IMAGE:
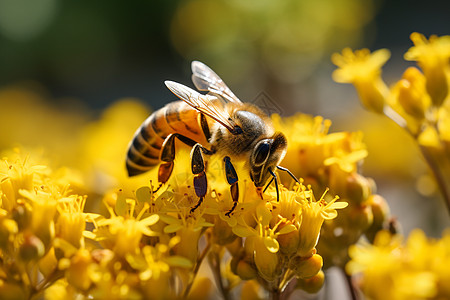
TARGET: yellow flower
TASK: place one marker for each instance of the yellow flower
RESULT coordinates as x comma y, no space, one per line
189,229
306,267
16,176
123,231
71,221
78,272
314,213
406,271
411,93
363,70
155,267
44,209
432,55
288,211
261,240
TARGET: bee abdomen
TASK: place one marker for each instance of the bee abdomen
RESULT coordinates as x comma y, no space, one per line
145,149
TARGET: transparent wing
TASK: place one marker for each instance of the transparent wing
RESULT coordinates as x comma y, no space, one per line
206,104
206,79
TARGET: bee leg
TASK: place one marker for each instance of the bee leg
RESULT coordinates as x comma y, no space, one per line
168,156
205,127
232,180
289,172
198,169
274,177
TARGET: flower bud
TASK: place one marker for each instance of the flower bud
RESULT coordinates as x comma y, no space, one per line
381,214
437,84
11,291
312,285
372,93
22,215
306,268
358,188
412,95
360,217
288,241
32,248
266,262
245,270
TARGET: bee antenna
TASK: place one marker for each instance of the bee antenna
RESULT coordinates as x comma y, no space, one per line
268,184
289,172
274,177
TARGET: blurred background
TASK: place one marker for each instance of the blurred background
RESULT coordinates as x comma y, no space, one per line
62,63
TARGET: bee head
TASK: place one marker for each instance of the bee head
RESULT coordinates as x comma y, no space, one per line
266,154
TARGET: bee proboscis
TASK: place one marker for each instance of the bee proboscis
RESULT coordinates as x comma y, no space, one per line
217,122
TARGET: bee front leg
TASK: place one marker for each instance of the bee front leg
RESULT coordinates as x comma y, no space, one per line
232,180
198,169
168,156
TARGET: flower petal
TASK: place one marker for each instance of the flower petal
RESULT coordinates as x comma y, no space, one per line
271,244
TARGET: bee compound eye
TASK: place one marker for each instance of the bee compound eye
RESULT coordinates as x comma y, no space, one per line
261,153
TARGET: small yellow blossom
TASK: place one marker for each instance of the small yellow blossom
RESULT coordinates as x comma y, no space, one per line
411,93
314,213
406,271
71,221
363,70
431,55
123,232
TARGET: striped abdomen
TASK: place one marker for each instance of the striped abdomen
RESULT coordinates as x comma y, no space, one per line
145,148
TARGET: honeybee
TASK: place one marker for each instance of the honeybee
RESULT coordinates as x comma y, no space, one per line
217,122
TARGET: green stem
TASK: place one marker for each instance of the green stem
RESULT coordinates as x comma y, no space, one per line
196,268
214,263
441,181
435,166
351,288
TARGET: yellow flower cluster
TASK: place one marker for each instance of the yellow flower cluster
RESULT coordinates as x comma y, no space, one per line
392,270
418,102
151,246
41,226
331,160
269,241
